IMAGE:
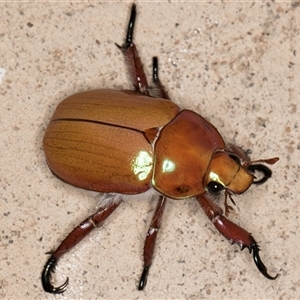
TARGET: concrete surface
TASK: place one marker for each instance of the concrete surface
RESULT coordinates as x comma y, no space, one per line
235,63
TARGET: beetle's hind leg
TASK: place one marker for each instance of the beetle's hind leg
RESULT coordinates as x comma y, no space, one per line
132,59
151,239
135,66
81,231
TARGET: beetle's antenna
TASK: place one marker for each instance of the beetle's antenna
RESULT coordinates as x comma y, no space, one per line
228,208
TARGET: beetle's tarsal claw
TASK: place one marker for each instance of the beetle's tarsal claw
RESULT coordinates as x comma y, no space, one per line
46,278
143,279
260,265
267,173
124,47
120,47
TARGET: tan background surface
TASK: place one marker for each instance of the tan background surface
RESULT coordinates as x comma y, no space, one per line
235,63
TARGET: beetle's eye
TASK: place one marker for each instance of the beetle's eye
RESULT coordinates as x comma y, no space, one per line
215,187
235,158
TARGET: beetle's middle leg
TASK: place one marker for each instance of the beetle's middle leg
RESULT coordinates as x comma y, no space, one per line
233,232
158,90
151,239
80,232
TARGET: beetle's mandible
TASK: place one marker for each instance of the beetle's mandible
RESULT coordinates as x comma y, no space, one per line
128,142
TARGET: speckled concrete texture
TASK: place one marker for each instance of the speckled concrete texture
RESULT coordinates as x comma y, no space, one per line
237,64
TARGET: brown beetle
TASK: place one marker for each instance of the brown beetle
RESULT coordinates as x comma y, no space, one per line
131,142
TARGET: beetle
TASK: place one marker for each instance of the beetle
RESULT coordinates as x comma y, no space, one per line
136,142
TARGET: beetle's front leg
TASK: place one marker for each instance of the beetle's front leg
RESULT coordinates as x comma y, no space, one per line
151,239
233,232
255,165
80,232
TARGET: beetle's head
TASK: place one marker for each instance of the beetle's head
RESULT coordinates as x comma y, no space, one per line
225,171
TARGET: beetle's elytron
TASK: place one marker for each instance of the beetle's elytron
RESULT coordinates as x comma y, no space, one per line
131,142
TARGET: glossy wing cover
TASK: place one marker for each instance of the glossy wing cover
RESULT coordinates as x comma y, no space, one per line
96,139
